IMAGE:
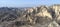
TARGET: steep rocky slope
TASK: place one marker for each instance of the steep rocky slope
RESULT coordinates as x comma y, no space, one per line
43,16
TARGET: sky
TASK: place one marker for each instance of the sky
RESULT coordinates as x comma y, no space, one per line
27,3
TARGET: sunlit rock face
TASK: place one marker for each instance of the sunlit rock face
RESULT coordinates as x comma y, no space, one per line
43,17
56,9
44,12
29,10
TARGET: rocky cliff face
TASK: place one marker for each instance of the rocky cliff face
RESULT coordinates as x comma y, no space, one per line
43,16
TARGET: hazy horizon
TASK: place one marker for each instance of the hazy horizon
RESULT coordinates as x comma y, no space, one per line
27,3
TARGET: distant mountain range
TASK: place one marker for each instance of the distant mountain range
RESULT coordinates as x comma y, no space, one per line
40,16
